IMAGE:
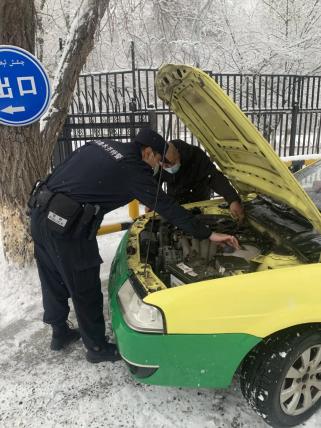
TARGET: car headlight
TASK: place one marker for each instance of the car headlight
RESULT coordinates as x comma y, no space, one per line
138,315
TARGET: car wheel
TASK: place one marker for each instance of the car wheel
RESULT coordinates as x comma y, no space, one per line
281,377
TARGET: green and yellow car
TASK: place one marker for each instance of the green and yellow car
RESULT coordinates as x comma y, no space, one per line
194,314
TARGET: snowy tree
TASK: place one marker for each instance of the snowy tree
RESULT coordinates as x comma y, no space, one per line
25,152
163,31
272,36
255,36
53,21
292,35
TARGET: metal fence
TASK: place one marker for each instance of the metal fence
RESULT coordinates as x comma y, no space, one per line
285,108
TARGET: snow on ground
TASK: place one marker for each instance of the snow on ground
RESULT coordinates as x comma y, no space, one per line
39,387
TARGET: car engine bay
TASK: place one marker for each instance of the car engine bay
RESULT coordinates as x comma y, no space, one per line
267,241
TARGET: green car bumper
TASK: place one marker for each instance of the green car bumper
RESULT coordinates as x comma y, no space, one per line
189,360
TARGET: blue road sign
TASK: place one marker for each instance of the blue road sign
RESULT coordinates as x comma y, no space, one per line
24,87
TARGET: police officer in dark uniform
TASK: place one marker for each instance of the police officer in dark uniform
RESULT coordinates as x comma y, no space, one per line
66,211
191,176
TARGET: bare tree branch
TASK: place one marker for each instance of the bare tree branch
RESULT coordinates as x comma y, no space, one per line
78,45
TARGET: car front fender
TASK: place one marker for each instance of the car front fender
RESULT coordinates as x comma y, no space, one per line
258,304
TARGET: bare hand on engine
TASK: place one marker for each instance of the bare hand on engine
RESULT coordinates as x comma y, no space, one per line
237,211
222,238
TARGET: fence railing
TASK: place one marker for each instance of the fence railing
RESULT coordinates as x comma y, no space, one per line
285,108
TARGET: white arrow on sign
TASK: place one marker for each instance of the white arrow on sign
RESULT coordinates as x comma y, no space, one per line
11,109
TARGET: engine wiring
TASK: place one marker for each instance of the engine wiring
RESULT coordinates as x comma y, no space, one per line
159,184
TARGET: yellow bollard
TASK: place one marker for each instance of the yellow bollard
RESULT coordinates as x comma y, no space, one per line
133,209
109,228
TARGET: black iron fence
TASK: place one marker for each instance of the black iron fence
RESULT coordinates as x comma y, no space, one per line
285,108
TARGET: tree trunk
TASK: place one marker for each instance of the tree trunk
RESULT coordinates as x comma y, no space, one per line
22,164
40,31
79,44
19,146
25,153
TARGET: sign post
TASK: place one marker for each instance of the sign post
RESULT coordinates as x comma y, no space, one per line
24,87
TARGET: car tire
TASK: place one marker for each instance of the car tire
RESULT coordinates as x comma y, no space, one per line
285,363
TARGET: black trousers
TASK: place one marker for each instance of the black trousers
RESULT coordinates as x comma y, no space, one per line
69,268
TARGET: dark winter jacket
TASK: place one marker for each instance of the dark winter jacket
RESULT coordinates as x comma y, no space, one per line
197,177
111,174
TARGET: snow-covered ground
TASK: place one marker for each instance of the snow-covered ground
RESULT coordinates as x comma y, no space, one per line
39,387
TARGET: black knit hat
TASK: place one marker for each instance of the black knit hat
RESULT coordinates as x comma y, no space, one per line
150,138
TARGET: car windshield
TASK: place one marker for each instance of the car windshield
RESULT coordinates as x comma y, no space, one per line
310,180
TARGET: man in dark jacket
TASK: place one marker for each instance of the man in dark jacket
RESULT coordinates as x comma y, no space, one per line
66,210
191,176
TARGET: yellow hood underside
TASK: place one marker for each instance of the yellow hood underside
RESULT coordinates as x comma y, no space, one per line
231,139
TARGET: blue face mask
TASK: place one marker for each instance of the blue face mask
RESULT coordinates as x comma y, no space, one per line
173,169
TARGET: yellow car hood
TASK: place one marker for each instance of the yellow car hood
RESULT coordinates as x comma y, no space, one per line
230,138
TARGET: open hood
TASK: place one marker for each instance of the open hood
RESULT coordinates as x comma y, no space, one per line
230,138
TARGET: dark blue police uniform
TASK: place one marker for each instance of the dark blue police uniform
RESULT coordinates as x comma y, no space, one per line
108,174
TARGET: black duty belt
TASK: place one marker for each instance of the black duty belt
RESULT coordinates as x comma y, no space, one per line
65,215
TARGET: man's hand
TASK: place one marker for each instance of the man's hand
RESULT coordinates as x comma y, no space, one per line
237,211
222,238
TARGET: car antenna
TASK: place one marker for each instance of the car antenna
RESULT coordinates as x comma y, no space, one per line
169,126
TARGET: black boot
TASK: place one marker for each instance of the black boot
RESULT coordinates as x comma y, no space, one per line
107,352
62,336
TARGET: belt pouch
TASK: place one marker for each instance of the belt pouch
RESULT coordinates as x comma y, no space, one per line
62,213
43,197
86,217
